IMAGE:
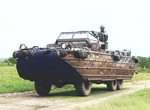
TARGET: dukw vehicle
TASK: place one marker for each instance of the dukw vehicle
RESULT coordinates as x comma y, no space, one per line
78,58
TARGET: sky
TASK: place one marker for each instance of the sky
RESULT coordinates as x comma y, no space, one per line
39,22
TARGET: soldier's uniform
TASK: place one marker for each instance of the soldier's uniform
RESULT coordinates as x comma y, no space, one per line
103,37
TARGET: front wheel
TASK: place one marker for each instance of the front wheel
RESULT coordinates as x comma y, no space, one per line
84,88
112,85
42,88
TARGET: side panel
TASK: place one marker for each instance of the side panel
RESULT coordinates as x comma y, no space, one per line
101,67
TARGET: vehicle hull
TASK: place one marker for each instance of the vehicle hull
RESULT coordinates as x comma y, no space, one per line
99,67
47,66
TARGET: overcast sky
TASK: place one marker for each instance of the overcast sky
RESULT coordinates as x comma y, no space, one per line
39,22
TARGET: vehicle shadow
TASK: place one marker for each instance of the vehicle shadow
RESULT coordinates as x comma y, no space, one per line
73,93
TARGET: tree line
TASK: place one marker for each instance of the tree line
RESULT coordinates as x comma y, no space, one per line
144,64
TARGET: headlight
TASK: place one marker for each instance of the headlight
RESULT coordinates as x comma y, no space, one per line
63,45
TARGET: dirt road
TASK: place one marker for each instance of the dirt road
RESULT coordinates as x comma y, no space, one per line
31,101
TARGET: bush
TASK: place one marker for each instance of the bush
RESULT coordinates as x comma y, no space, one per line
8,62
3,64
143,70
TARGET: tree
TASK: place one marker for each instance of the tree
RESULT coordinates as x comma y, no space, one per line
10,61
144,62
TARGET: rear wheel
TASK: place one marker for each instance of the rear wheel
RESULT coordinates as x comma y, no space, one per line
42,88
119,84
112,85
84,88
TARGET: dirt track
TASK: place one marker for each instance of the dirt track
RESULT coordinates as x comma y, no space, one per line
31,101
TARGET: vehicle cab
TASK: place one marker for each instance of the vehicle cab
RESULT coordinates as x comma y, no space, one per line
79,39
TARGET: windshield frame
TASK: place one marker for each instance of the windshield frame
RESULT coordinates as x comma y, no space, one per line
89,37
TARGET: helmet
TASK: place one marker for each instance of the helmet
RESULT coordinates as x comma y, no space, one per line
102,27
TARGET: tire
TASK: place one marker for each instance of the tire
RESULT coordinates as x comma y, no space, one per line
84,88
119,84
112,85
42,88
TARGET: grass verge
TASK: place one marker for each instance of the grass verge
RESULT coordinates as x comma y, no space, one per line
11,82
137,101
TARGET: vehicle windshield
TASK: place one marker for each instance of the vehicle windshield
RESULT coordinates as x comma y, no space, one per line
77,35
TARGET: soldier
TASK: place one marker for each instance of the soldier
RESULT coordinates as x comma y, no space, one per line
103,36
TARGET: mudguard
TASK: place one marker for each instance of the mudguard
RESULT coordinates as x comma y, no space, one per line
46,66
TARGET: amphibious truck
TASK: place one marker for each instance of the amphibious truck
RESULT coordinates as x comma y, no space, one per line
77,58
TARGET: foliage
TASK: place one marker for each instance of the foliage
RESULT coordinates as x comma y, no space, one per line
144,64
12,60
145,70
8,62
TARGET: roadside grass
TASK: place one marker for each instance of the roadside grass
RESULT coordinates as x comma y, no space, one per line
137,101
11,82
140,77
